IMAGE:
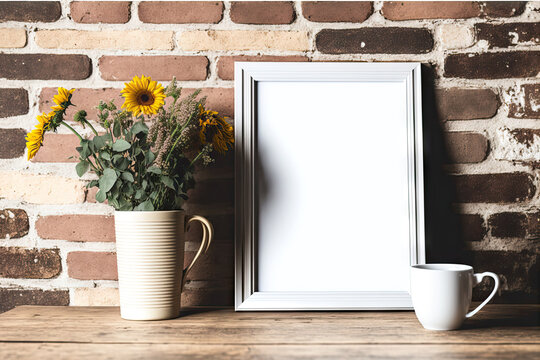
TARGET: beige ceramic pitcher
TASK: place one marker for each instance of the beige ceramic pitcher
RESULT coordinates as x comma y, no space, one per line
150,255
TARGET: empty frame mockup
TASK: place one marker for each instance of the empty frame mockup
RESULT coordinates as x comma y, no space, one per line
329,185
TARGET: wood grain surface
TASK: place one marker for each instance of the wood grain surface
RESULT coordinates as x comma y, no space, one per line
498,332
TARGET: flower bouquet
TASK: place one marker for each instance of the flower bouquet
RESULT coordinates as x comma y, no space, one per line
144,156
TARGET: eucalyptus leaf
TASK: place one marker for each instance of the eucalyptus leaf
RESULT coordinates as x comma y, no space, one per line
82,167
128,176
145,206
107,180
117,131
101,196
150,157
105,155
168,182
99,142
139,127
121,145
154,169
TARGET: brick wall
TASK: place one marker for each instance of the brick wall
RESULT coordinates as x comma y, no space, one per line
481,115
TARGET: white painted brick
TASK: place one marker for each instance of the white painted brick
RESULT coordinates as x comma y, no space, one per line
95,297
117,40
40,189
455,36
12,38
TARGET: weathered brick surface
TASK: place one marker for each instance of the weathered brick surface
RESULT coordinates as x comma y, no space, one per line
11,298
494,188
533,224
214,264
525,102
499,65
90,228
412,10
472,227
262,12
174,12
213,191
509,34
518,272
455,36
45,66
466,104
92,12
337,11
158,67
29,263
40,189
13,223
508,224
113,40
383,40
58,148
222,40
466,147
12,144
30,11
12,38
219,292
90,265
225,65
13,102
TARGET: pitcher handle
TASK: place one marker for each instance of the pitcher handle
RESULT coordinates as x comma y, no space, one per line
478,279
208,234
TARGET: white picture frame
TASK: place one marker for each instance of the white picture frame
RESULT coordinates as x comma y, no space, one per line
329,211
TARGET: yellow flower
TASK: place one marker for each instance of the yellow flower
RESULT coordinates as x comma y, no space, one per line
215,130
143,95
34,139
62,98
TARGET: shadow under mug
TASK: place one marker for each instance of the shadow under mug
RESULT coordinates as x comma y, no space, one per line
441,294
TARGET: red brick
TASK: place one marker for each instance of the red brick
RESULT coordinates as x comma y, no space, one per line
381,40
13,102
30,11
89,265
217,99
161,68
45,67
472,227
509,34
93,228
24,263
225,65
337,11
91,195
529,106
262,12
494,188
212,293
93,12
412,10
466,104
174,12
500,65
58,148
13,143
503,8
13,223
466,147
11,298
518,272
508,225
212,192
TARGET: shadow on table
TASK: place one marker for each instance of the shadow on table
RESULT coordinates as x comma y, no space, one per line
519,316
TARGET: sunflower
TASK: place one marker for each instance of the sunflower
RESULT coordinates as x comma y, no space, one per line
143,95
62,99
34,139
215,130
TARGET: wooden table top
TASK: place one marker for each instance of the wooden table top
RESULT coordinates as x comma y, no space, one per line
40,332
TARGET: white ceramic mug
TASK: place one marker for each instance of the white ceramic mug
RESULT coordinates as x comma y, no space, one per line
441,294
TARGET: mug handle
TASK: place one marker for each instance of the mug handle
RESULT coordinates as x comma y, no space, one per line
477,280
208,234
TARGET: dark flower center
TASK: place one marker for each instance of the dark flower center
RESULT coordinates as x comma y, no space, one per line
145,98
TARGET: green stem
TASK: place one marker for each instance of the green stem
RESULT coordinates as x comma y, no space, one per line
91,127
72,129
